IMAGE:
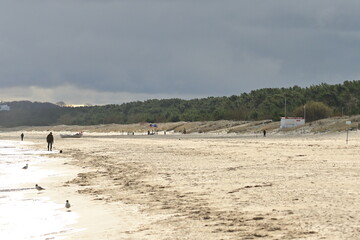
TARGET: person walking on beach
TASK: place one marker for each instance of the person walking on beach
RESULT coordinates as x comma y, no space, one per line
22,136
50,141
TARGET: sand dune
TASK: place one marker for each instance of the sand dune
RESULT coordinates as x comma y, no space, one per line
329,125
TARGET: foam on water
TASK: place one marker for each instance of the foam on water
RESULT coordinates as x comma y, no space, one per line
24,215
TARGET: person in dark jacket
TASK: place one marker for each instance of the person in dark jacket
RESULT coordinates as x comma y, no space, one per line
50,141
22,136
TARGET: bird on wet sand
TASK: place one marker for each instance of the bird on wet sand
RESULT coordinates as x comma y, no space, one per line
26,166
67,205
39,188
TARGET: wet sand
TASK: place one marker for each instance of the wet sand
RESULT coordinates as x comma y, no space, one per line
204,186
27,213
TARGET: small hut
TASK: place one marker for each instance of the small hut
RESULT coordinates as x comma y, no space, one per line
4,107
289,122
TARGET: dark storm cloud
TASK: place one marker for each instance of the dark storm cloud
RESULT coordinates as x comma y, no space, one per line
179,47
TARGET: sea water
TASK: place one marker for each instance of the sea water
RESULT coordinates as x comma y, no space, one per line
23,214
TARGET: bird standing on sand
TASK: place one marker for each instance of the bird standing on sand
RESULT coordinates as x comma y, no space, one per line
67,204
26,166
39,188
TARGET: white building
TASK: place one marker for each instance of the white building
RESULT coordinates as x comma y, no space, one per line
289,122
4,108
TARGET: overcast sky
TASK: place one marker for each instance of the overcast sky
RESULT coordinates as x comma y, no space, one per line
115,51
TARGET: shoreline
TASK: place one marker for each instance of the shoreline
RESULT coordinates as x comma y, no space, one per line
94,219
22,205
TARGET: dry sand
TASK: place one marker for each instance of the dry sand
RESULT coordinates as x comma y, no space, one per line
204,186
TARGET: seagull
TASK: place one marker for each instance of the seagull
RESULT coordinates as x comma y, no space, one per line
39,188
67,204
26,166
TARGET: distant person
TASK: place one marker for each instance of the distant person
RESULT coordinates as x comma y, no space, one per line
264,133
22,136
50,141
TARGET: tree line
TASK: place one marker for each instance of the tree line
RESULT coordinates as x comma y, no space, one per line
314,102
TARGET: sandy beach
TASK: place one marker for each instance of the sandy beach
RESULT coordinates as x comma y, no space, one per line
207,186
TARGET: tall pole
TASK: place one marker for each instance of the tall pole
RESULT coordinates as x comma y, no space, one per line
285,106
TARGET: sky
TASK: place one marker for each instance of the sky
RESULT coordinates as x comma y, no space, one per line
114,51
